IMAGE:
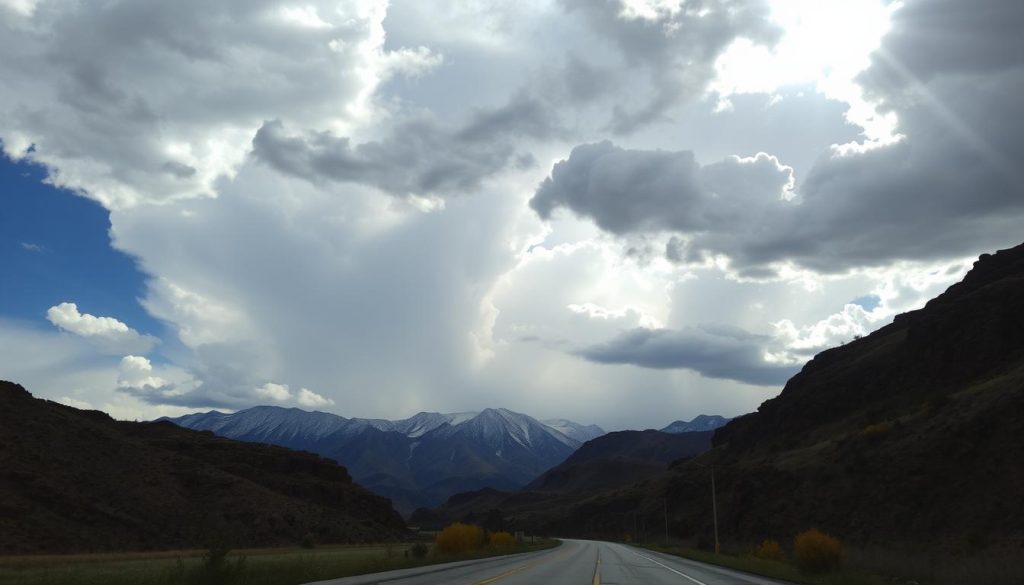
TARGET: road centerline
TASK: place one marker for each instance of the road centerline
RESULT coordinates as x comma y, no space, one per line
521,568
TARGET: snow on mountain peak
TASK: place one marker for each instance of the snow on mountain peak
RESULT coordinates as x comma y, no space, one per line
701,422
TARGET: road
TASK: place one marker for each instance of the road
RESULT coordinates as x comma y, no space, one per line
576,562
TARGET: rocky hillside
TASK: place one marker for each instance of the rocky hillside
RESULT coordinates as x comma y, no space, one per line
910,438
79,481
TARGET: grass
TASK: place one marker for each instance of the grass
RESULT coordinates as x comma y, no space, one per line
248,567
773,569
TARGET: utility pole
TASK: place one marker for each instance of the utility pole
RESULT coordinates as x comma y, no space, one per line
714,504
714,509
666,521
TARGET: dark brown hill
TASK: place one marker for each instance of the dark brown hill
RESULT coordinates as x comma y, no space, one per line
611,461
79,481
619,459
911,437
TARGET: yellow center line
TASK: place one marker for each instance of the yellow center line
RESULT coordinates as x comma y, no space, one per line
521,568
597,569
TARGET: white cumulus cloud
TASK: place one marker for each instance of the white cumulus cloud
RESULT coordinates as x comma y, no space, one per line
109,333
137,372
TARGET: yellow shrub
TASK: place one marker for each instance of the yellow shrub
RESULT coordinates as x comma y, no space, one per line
876,431
458,537
769,550
817,552
501,539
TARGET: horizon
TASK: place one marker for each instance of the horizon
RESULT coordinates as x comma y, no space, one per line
622,213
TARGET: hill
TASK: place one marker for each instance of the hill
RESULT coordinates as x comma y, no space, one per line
909,438
608,462
79,481
619,459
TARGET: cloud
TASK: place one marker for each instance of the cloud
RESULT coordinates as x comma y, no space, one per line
109,333
275,392
132,101
136,372
949,187
420,157
897,202
282,393
323,288
674,45
220,380
642,191
29,246
714,352
309,398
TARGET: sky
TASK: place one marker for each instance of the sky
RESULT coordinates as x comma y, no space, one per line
622,212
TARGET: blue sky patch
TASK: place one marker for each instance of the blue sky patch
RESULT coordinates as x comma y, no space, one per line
55,247
868,302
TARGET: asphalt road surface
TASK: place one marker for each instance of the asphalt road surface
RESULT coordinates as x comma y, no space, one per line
576,562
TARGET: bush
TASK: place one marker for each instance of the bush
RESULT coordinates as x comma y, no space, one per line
419,550
817,552
876,431
502,539
458,538
769,550
308,541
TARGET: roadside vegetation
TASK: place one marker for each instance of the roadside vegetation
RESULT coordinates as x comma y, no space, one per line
461,538
219,566
815,558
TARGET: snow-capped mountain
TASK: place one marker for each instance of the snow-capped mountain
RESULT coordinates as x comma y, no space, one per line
417,461
288,427
424,422
575,430
702,422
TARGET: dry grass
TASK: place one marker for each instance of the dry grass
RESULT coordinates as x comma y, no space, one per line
251,567
770,550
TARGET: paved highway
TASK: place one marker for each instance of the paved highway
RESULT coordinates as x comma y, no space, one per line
576,562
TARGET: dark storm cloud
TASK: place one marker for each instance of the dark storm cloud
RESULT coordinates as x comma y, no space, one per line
636,191
934,38
419,157
952,186
724,353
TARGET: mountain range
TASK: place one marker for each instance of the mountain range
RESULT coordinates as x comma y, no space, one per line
418,461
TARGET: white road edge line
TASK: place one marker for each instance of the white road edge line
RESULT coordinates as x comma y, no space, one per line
667,567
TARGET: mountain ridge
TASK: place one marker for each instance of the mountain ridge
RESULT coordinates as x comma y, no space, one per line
417,461
701,422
